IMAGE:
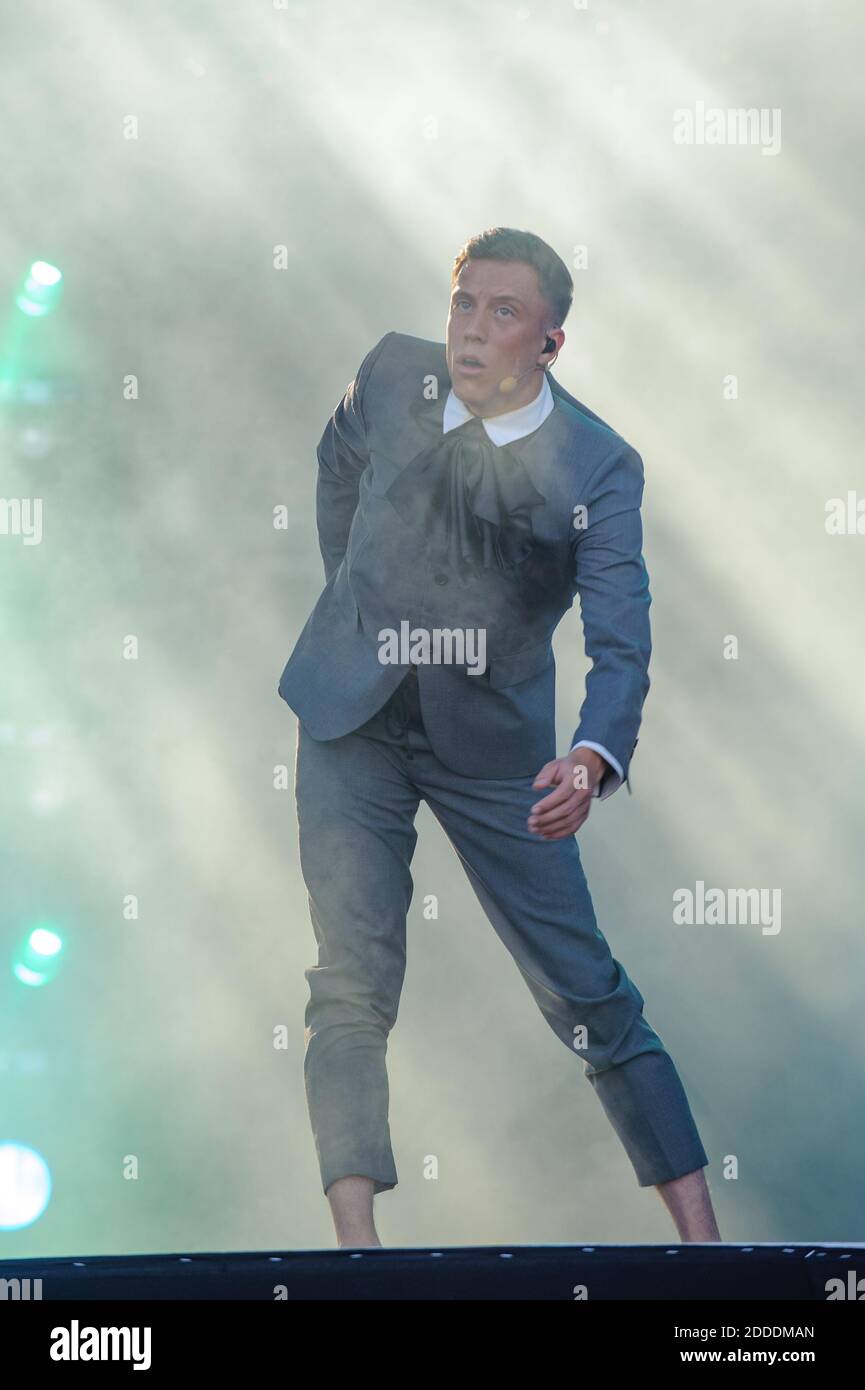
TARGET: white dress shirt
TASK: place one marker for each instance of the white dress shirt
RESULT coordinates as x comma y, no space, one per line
503,429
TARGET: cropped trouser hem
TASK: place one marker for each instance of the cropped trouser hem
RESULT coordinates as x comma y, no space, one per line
382,1172
645,1102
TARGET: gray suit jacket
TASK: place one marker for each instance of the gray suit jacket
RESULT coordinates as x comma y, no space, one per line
500,723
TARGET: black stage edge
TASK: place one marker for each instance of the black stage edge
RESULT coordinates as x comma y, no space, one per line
718,1272
639,1309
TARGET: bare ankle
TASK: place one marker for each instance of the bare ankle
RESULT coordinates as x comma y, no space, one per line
350,1201
688,1201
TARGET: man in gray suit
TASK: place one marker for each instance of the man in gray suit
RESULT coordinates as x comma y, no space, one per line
464,499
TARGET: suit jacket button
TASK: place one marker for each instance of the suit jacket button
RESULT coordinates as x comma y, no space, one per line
441,579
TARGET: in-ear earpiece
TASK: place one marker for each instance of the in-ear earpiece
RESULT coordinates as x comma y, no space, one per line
550,345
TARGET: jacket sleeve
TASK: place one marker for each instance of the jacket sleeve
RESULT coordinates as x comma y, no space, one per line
342,457
613,584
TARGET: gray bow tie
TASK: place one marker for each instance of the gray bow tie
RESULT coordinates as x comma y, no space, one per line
471,500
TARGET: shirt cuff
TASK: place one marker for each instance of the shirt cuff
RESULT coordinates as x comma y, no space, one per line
615,778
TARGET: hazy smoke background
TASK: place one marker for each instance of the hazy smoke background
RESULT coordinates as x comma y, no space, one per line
370,140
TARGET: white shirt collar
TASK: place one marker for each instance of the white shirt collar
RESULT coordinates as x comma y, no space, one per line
503,429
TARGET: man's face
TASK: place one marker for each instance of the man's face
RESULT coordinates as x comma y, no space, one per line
499,318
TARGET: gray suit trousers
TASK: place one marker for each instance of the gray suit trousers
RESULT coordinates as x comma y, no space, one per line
357,797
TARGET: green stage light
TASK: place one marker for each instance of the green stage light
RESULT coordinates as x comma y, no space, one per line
25,1186
41,290
37,960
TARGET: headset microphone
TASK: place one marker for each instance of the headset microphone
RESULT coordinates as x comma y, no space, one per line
511,382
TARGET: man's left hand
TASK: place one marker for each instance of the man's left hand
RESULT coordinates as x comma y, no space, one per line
560,815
